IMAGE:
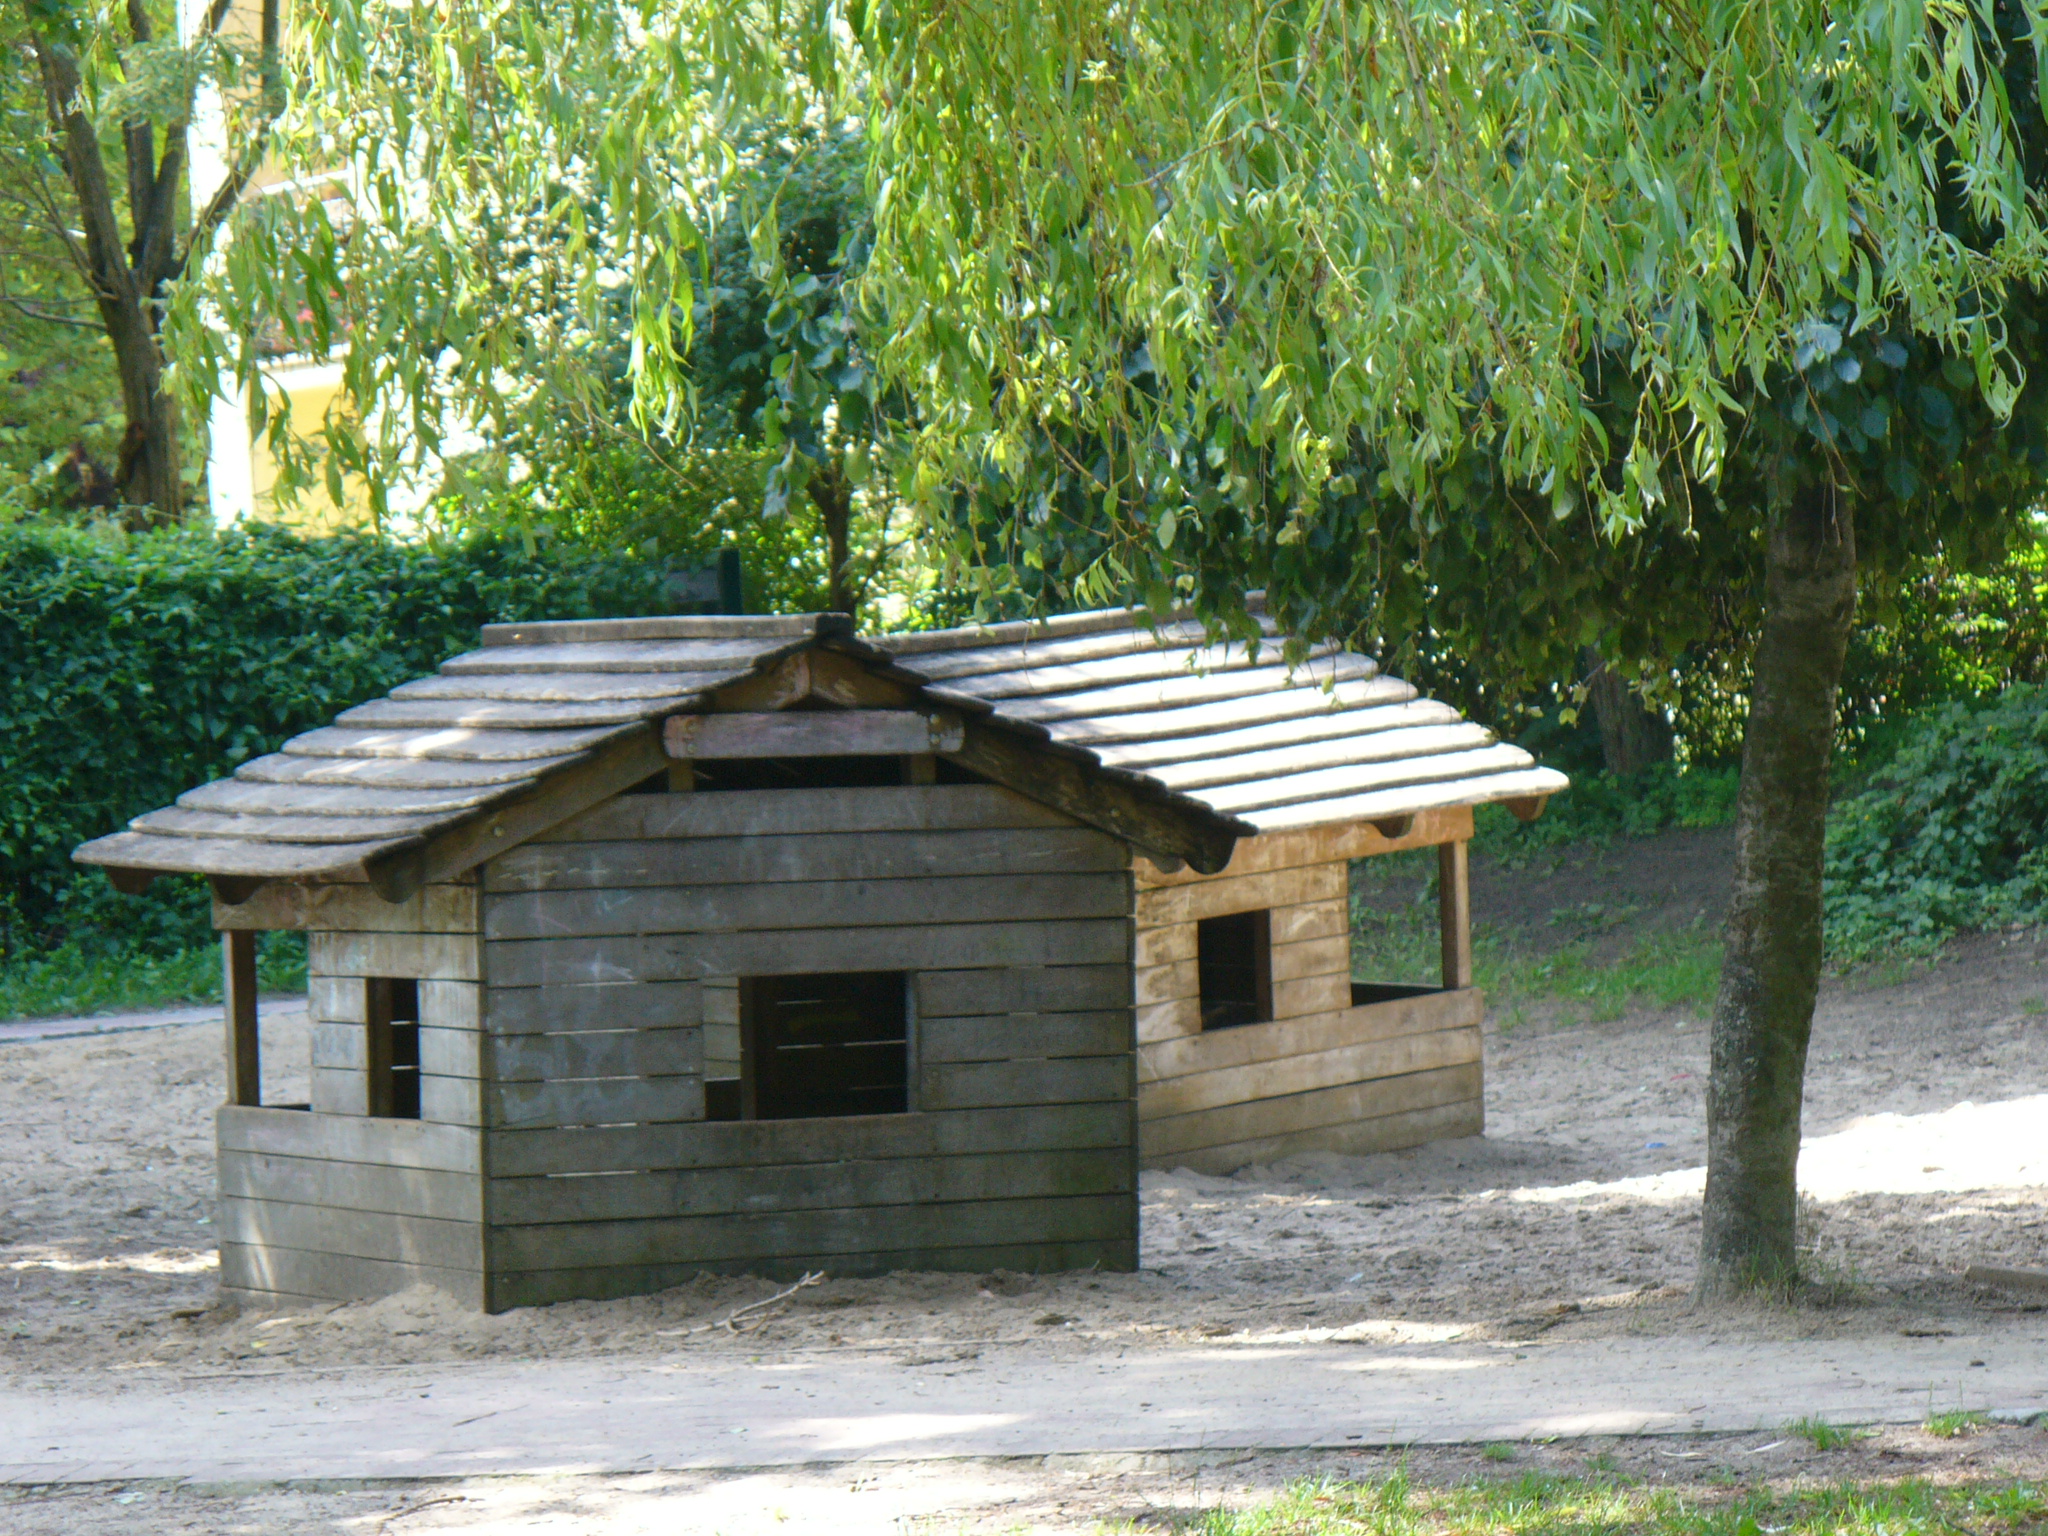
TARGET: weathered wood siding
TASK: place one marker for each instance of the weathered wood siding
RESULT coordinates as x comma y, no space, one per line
336,1207
1322,1075
354,936
635,918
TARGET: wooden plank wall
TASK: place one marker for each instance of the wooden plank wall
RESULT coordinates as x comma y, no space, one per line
1015,924
1322,1075
335,1204
336,1207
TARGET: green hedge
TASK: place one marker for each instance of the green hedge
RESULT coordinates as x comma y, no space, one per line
1951,834
133,667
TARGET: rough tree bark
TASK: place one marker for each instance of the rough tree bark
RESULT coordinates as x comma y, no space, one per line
1632,737
833,496
128,279
1763,1017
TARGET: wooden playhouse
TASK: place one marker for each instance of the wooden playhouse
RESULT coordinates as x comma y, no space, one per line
644,947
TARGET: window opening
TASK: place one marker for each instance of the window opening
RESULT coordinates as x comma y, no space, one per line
394,1047
1234,963
815,1046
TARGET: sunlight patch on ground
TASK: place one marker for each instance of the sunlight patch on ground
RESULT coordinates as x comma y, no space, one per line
164,1261
1968,1146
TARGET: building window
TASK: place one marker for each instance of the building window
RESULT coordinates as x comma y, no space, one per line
812,1046
394,1047
1234,960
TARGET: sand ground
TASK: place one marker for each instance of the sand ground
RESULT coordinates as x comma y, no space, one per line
1576,1215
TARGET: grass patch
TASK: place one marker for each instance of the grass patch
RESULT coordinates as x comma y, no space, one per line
1537,1505
1584,968
1499,1451
1956,1423
69,982
1823,1436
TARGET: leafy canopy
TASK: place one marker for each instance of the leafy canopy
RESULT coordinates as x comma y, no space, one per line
1184,255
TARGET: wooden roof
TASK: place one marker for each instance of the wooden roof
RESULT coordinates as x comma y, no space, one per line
545,719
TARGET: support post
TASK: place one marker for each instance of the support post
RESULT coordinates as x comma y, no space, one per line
238,990
1454,913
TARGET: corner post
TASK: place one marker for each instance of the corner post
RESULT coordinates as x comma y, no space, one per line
238,991
1454,912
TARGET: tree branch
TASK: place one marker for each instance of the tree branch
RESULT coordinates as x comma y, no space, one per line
107,272
33,313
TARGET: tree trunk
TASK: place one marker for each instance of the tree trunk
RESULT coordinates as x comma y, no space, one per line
1764,1015
833,497
1632,737
148,474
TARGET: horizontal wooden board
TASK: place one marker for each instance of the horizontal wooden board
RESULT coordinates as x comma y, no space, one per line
749,1235
781,1143
1196,719
451,957
355,908
805,812
451,1100
811,1186
1312,957
810,733
1311,994
271,1276
1022,1036
819,904
450,1004
1023,989
720,634
1226,893
431,713
986,1084
784,857
565,1009
347,1138
1278,764
451,1052
340,1045
339,1091
1164,983
1324,845
338,999
1008,647
401,772
358,1234
1311,920
567,687
1433,775
1168,665
536,1288
1327,725
595,1101
431,1192
1350,1138
1170,1020
1164,945
1175,1135
1179,691
680,957
1411,799
449,746
606,1053
1285,1076
313,831
256,797
1219,1049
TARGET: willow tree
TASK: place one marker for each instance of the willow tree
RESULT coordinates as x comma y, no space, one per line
1193,295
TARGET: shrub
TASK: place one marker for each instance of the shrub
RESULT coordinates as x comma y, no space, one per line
133,667
1950,833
